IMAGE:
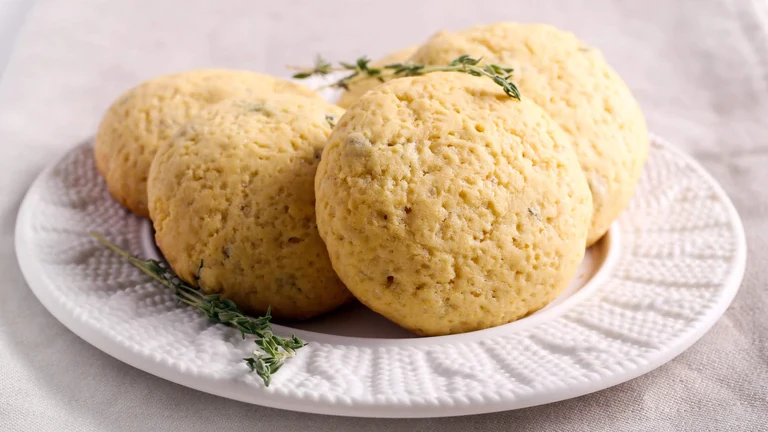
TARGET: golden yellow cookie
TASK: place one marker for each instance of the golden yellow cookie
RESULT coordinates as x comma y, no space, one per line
578,89
447,206
147,115
356,90
232,202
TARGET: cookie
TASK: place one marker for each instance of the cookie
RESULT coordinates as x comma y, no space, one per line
574,84
232,202
147,115
357,89
447,206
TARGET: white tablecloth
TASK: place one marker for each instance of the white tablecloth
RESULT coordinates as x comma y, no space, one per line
699,69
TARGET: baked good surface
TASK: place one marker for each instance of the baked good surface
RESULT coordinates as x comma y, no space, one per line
574,84
144,117
232,202
447,206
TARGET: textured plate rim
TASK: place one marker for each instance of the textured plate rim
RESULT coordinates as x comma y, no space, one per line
612,243
32,272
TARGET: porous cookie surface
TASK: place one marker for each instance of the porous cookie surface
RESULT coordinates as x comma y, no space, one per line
356,90
232,202
147,115
447,206
575,85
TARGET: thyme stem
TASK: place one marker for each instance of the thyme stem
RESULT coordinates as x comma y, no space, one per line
361,71
272,350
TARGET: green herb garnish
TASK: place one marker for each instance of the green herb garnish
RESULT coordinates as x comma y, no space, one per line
331,120
362,70
273,350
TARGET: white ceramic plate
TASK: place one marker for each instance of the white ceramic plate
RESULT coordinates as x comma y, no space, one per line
665,273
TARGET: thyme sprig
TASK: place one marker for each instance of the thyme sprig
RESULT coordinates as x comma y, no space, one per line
272,350
362,70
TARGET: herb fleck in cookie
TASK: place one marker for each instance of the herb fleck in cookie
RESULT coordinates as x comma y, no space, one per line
147,115
575,85
357,89
448,206
232,202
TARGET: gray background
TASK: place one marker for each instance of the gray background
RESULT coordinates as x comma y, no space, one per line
12,15
699,69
